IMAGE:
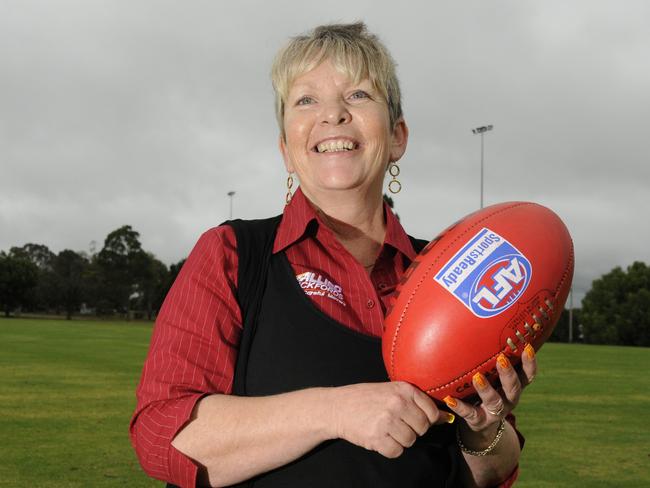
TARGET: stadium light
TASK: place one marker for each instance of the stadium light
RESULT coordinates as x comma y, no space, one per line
231,194
482,130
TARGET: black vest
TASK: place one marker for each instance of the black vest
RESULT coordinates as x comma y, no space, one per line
288,344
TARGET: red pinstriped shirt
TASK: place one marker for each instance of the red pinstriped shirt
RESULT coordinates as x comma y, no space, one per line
194,345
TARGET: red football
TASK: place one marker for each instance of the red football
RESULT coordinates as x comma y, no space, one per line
488,284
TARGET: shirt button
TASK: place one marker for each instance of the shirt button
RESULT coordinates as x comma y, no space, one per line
370,303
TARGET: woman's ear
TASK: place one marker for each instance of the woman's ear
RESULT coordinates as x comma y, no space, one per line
399,139
285,154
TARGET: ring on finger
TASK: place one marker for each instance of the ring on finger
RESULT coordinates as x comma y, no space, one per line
496,412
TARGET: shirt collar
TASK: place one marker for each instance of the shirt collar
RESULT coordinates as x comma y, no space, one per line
396,236
296,217
299,213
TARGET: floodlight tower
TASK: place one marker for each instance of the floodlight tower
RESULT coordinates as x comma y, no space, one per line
231,194
482,130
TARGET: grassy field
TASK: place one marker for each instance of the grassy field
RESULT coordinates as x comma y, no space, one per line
67,390
587,418
67,393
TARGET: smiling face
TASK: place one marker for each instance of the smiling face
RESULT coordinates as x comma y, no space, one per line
338,134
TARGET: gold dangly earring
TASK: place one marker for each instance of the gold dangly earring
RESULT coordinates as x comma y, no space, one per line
287,199
394,186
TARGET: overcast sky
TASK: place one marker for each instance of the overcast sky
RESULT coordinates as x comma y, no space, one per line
148,112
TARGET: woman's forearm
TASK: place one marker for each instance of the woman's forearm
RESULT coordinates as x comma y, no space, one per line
236,438
493,468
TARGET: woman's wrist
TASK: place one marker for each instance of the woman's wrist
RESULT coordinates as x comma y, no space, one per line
476,441
325,409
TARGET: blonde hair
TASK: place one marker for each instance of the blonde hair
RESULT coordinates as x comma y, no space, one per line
352,49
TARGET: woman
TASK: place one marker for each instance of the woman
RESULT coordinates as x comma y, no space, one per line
265,362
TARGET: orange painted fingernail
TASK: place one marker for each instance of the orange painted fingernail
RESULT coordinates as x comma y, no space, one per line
479,379
530,351
503,361
451,402
450,418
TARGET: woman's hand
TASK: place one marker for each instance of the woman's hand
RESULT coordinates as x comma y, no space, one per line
483,420
384,417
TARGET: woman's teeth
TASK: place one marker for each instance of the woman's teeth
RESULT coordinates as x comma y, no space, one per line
335,146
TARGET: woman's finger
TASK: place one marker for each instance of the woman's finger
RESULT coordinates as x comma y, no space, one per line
417,418
528,365
390,448
473,416
509,379
492,402
402,433
429,407
426,404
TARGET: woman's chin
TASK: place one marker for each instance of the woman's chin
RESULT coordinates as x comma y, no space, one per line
342,184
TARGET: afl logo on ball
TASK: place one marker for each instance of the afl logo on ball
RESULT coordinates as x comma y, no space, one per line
499,285
487,274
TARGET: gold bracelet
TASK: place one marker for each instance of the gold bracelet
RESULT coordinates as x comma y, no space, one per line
488,449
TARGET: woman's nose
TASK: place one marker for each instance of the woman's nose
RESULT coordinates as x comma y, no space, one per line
335,113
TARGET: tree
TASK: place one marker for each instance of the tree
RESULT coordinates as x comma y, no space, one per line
561,331
119,262
617,308
174,269
122,275
44,295
18,278
94,288
151,276
39,254
637,310
69,270
172,274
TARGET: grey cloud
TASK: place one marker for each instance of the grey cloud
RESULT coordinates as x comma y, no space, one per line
148,113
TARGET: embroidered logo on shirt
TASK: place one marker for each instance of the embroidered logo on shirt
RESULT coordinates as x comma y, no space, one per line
313,284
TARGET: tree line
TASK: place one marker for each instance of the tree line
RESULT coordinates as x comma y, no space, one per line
122,278
615,310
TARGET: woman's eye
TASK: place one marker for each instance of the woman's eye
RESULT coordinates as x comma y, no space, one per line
304,100
360,94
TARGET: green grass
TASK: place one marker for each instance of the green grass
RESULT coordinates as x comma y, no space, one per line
67,394
67,390
586,418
